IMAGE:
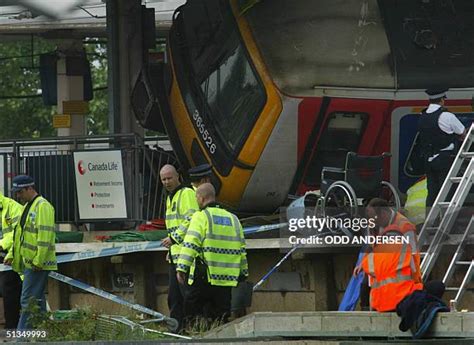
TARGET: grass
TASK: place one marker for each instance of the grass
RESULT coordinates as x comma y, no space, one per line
201,325
85,324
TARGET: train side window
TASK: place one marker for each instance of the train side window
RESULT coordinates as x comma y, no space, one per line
343,133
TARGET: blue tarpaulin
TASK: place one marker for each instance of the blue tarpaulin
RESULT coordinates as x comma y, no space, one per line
351,296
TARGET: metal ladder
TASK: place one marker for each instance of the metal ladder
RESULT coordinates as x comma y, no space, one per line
442,217
456,262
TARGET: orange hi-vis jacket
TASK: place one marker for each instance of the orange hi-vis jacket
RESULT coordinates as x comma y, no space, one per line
393,269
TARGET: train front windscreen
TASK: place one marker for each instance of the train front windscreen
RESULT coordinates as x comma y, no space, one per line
224,93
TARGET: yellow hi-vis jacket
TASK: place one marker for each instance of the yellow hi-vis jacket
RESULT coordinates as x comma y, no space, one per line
179,210
34,244
11,213
216,237
415,205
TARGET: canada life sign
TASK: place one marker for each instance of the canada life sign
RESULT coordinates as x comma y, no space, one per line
100,185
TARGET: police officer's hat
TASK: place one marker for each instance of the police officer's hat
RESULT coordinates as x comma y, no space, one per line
200,171
22,181
435,93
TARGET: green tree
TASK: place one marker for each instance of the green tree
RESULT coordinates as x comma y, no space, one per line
97,121
22,117
22,112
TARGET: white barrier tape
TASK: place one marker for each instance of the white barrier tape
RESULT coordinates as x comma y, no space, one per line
104,294
92,254
125,249
262,228
143,247
131,248
274,268
125,321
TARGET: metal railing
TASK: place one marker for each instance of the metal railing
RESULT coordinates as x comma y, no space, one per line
50,163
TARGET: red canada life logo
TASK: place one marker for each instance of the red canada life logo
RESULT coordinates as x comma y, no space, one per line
80,167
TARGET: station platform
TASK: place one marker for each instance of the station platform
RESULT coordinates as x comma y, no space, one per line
340,325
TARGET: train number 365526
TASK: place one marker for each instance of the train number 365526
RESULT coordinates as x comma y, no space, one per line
206,137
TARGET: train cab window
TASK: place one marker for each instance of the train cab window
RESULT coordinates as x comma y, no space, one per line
224,83
234,95
343,133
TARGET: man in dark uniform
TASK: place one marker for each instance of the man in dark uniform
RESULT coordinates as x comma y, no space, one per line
439,129
200,174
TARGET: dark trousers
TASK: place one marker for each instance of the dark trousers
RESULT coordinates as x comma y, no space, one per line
365,294
436,173
206,300
435,288
11,291
176,297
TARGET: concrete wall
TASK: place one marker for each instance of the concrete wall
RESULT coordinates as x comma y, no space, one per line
305,282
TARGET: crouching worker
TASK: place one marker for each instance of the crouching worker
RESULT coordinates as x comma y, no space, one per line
393,269
214,258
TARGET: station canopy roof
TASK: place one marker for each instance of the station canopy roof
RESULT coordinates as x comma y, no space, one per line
69,18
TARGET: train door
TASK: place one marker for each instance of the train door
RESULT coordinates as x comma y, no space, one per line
404,128
339,125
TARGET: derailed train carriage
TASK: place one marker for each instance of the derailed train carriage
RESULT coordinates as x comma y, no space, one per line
270,92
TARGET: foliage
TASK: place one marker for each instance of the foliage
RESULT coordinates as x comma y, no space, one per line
25,117
79,326
97,121
201,325
86,325
22,112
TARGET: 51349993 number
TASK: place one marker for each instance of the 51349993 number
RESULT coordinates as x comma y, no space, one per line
32,333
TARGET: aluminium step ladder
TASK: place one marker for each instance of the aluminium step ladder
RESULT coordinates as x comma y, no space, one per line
456,262
440,221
